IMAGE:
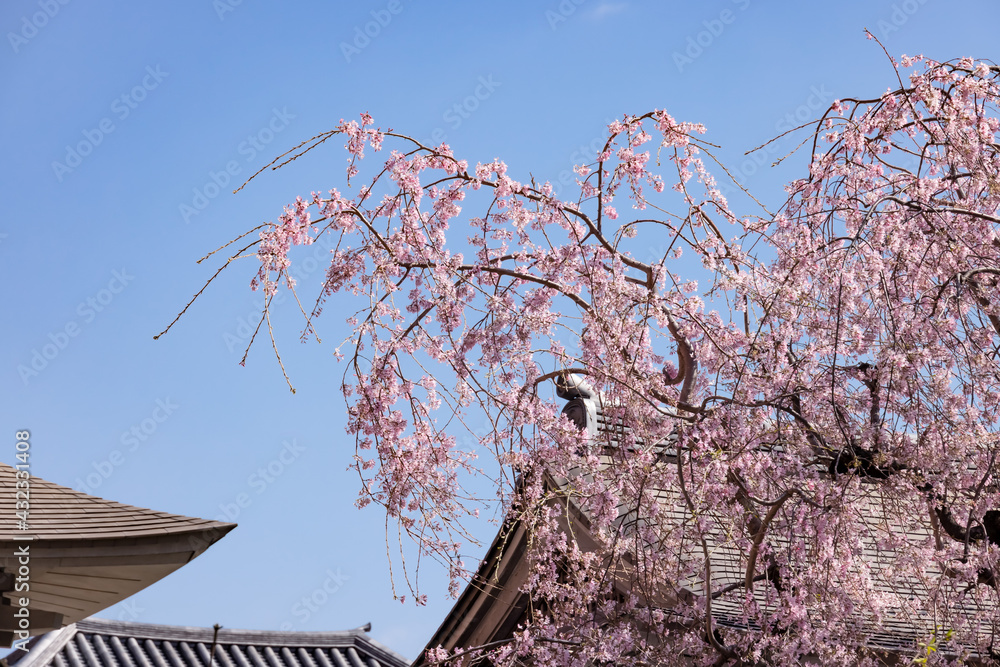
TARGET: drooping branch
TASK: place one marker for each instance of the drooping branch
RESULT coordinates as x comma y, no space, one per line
826,335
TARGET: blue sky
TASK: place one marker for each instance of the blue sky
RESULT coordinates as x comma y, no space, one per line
128,125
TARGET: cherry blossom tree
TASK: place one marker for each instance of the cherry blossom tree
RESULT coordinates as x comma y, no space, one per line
800,408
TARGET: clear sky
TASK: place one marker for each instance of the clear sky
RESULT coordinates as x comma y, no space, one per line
127,125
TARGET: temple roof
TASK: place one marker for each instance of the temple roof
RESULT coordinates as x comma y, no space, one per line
492,605
85,553
101,643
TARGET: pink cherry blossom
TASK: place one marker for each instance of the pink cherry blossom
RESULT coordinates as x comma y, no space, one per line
800,440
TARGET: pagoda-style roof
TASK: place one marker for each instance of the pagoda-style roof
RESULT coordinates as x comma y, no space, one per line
97,642
85,553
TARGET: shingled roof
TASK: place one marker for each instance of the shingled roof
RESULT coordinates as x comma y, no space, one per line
86,553
884,528
493,605
101,643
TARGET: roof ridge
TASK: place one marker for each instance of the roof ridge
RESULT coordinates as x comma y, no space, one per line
94,625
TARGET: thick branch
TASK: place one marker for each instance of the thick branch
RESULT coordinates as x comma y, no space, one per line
759,537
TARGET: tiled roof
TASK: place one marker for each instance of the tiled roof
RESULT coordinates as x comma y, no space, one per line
60,513
96,642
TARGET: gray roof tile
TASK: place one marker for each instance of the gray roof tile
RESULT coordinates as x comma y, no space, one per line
101,643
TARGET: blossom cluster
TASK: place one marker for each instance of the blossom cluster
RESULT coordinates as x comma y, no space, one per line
828,387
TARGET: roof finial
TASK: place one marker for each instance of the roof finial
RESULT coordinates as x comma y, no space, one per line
215,640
